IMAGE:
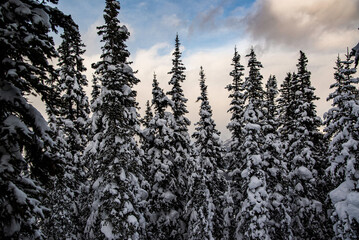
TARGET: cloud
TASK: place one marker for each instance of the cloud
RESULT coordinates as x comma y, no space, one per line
172,21
206,21
303,24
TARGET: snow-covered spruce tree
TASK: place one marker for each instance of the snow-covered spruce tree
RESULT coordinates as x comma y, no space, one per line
64,219
164,202
252,217
236,110
200,207
183,160
75,109
342,129
286,111
25,163
115,195
147,137
209,150
148,115
233,159
279,220
228,210
96,88
304,154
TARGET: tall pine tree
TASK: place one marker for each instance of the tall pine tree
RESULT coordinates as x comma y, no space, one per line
285,108
72,131
148,115
208,184
25,163
304,153
116,195
183,160
236,110
252,217
342,129
234,162
164,203
276,168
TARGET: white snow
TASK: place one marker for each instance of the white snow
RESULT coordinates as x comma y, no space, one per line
244,173
304,173
19,195
252,126
168,196
123,175
9,230
132,220
41,17
341,192
106,228
353,205
256,159
299,187
128,207
97,183
254,183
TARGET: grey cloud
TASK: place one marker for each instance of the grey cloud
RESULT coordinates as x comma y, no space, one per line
208,20
300,24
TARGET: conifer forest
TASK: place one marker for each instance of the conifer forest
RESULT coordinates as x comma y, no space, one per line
93,168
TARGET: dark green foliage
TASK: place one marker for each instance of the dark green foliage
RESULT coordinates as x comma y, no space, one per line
113,152
234,162
208,183
179,108
148,115
342,131
303,151
69,122
252,217
164,217
276,168
237,100
183,158
25,138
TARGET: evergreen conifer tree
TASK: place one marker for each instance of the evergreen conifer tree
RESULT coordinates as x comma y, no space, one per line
71,137
276,168
253,216
234,162
25,162
286,111
164,203
305,145
236,110
148,115
200,207
95,89
342,129
116,194
183,160
210,177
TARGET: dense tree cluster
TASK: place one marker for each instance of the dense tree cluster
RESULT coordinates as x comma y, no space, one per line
116,176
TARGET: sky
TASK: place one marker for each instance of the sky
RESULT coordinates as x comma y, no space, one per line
209,30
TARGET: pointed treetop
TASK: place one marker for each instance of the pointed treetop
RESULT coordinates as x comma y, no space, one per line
148,115
160,101
253,83
302,63
113,34
179,101
203,86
